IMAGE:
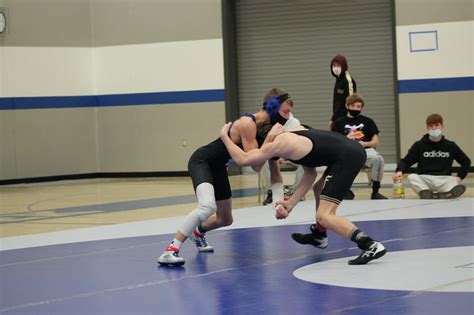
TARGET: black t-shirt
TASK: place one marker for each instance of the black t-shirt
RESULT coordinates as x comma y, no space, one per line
360,128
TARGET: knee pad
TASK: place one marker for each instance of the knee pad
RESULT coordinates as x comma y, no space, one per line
206,209
197,216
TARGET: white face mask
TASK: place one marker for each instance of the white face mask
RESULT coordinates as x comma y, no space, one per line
336,70
435,132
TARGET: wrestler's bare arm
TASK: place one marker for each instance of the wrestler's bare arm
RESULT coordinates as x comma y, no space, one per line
253,157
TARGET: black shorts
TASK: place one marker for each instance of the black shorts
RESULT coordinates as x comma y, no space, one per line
201,171
341,174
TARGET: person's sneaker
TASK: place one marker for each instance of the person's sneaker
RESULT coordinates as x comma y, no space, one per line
287,191
377,196
349,196
375,251
426,194
201,242
455,192
315,238
269,198
170,257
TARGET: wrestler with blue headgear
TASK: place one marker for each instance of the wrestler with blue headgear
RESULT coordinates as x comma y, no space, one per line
272,105
208,170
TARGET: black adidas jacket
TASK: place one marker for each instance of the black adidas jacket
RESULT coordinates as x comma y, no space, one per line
435,158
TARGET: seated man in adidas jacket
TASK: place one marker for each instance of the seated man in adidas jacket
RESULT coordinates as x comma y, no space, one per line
434,155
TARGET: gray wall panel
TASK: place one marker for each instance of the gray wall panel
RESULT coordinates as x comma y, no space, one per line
411,12
85,23
8,168
57,141
125,22
48,23
290,45
150,138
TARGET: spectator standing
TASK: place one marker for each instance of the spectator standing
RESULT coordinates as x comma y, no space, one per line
344,86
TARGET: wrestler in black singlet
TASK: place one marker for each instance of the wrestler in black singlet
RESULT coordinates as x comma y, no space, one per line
343,157
208,164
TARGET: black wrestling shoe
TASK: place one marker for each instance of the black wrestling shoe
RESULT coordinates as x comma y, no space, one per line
269,198
375,251
377,196
304,239
315,238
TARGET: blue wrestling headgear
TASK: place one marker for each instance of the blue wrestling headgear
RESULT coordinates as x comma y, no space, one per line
272,104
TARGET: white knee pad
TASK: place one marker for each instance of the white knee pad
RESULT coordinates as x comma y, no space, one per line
196,217
207,207
207,201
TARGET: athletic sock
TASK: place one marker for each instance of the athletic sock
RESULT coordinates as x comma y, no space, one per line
176,243
360,238
200,229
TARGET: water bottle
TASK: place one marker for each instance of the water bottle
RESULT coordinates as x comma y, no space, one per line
398,190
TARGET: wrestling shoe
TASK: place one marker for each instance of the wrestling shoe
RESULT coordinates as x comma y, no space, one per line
201,242
170,257
269,198
378,196
287,191
315,238
375,251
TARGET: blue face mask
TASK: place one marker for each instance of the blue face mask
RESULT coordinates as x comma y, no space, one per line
435,132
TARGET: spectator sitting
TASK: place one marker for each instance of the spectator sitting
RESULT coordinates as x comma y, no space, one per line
434,155
363,129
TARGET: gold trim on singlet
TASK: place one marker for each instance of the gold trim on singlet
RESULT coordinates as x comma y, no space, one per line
330,199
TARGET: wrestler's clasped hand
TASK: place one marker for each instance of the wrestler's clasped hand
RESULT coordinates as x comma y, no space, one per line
280,210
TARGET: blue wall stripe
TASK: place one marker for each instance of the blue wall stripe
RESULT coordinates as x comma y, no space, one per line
161,98
111,100
436,85
10,103
54,102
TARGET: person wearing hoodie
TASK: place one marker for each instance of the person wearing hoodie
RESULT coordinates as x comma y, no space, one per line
345,85
435,155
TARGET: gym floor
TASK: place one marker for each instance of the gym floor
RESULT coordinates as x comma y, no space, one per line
90,247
